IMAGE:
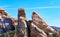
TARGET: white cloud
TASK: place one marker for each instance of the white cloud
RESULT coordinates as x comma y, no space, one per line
44,7
7,7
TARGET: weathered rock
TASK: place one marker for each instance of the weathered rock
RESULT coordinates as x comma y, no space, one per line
38,27
14,21
6,23
40,23
22,27
4,13
35,31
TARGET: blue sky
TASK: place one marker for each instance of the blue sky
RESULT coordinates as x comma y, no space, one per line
48,9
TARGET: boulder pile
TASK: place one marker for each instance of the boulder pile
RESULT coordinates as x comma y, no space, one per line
36,27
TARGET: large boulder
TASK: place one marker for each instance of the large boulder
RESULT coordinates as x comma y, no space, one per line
22,27
4,13
35,31
8,25
40,23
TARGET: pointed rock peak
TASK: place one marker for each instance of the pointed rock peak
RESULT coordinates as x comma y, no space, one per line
34,14
39,22
36,18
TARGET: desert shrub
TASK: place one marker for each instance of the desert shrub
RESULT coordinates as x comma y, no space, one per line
9,34
14,34
56,33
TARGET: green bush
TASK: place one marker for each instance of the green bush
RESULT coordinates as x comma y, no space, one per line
9,34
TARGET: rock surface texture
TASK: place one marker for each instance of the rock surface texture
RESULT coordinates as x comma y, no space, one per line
22,27
35,31
36,27
40,23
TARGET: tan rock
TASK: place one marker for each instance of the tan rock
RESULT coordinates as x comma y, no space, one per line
22,31
4,13
40,23
35,31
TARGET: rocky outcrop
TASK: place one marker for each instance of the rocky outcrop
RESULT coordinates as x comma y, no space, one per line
22,27
4,13
37,27
40,23
35,31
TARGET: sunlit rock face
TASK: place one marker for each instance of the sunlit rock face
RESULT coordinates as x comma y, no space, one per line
40,23
6,21
37,26
35,31
4,13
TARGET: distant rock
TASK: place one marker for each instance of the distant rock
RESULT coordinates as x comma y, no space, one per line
54,27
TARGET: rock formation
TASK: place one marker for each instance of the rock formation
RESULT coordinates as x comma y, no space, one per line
4,13
35,31
40,23
37,27
22,27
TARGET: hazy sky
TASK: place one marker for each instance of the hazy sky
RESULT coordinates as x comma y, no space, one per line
48,9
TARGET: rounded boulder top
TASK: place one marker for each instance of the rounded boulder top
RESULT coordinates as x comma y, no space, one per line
1,9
